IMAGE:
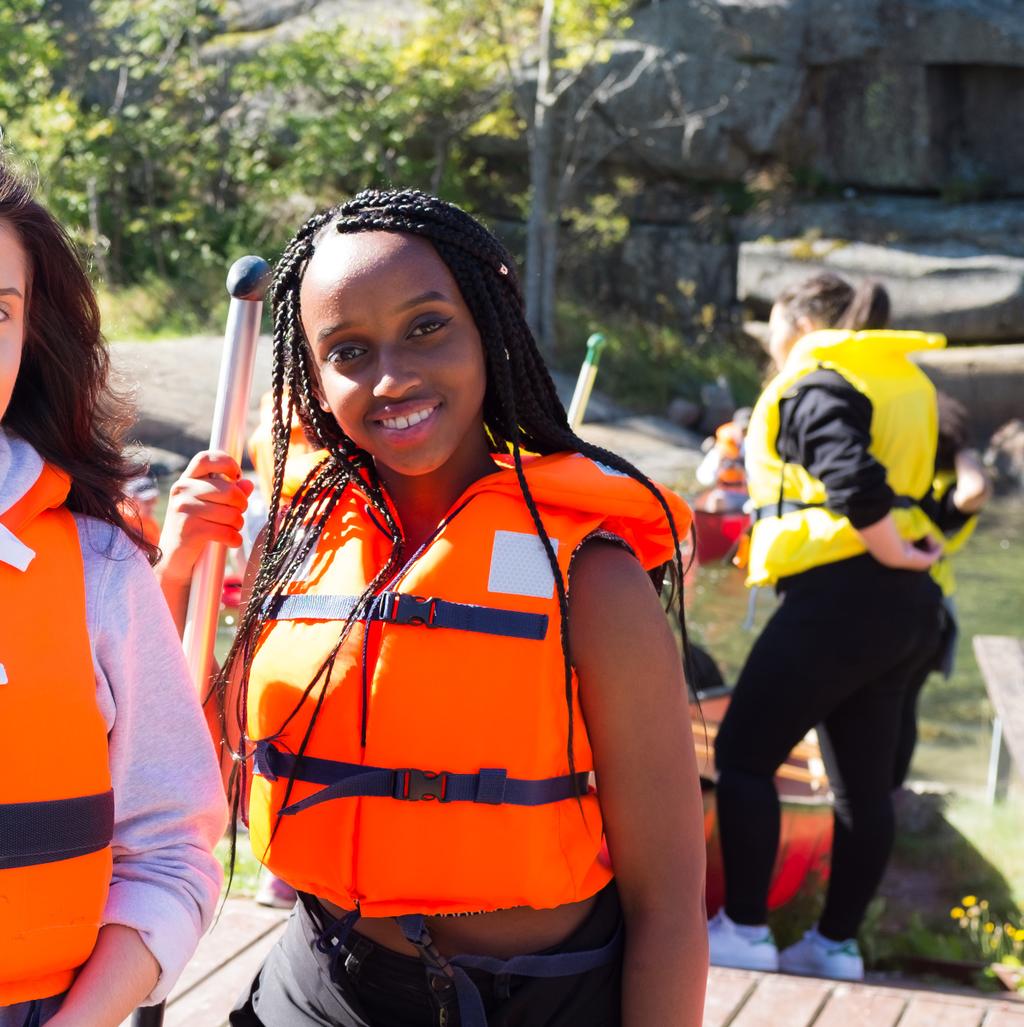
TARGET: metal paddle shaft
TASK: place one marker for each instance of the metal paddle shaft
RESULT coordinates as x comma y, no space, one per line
247,282
585,382
148,1016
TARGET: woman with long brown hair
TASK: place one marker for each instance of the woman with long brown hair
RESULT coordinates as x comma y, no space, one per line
107,876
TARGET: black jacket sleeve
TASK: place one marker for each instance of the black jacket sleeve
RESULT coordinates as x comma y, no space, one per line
942,510
825,426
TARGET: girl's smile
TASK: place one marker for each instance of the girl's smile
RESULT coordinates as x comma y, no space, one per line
397,357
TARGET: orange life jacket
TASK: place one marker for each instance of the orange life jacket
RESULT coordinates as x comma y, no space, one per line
302,457
459,680
729,443
56,803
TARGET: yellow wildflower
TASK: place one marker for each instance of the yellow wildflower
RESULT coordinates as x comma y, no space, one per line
983,903
970,900
989,927
956,912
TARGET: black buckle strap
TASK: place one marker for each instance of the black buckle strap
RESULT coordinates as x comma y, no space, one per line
402,608
419,611
416,785
488,786
785,506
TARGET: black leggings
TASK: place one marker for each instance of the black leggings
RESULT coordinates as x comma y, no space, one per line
368,985
845,644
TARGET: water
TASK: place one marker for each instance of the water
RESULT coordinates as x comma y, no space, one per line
955,715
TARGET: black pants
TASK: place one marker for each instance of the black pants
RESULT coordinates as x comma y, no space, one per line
845,644
371,986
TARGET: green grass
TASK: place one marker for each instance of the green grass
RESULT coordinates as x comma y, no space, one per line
158,309
247,868
646,364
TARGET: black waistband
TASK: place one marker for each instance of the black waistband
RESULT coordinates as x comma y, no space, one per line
598,928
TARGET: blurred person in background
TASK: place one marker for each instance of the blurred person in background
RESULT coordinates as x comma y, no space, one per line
840,449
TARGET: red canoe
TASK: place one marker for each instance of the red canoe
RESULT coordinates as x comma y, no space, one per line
806,829
719,521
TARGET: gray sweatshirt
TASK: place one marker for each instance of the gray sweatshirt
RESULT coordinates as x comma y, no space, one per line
169,808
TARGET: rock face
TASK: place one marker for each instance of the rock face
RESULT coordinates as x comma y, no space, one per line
988,380
886,94
909,108
905,96
951,288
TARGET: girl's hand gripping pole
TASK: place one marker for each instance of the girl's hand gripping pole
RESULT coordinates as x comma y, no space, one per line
247,282
585,382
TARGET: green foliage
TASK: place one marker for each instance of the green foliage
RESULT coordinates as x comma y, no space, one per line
645,364
168,152
27,58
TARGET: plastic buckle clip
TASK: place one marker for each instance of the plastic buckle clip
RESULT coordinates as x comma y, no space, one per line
421,785
402,608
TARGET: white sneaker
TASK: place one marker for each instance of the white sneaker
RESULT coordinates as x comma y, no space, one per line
817,956
740,946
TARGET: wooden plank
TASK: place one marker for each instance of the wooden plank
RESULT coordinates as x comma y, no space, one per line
727,991
1004,1015
942,1012
782,1001
851,1006
1001,660
209,1002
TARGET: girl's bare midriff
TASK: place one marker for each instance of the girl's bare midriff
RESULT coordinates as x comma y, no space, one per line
503,933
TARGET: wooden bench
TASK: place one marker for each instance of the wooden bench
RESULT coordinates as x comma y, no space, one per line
1001,660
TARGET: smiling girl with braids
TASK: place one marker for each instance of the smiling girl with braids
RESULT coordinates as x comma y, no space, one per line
451,626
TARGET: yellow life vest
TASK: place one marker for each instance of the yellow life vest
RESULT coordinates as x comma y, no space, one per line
942,569
794,530
435,777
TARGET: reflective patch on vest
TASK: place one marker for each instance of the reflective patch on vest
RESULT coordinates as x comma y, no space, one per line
13,551
610,471
3,675
519,565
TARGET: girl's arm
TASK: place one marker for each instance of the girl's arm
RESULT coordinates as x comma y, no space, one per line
120,973
638,720
170,810
890,549
973,488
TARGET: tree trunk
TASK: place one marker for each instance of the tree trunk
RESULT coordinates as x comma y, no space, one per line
549,285
99,244
541,147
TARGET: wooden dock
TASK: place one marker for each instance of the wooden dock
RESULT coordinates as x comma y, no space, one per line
230,954
741,998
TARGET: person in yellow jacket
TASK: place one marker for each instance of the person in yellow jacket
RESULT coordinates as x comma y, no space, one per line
450,626
839,454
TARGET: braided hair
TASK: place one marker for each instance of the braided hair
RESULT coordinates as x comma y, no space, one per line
521,411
